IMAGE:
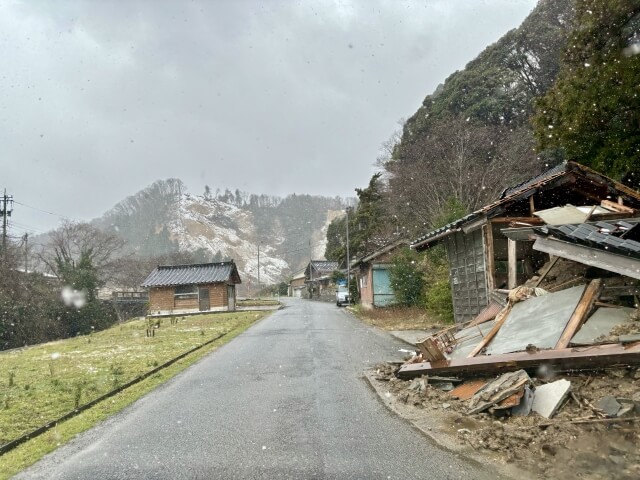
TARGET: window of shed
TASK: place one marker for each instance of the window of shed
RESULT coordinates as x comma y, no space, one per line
186,291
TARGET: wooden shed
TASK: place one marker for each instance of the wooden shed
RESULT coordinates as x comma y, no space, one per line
184,289
482,258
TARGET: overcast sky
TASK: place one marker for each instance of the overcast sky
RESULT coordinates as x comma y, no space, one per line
101,98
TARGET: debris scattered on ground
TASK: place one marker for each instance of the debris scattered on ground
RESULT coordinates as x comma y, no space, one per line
576,442
548,398
503,388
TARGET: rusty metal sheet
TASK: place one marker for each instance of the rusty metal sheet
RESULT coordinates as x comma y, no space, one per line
512,401
467,389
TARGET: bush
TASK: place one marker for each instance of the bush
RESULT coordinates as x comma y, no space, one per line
437,285
407,279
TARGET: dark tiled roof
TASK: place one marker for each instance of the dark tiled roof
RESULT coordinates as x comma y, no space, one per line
619,237
323,266
171,275
547,175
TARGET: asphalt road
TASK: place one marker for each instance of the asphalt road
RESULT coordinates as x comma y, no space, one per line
284,400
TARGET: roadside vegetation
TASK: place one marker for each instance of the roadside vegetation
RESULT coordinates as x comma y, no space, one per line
43,382
398,318
258,302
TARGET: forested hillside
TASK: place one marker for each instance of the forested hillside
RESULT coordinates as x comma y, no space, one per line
164,219
565,85
472,137
468,140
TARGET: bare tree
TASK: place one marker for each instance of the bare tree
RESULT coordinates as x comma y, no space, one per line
74,241
457,160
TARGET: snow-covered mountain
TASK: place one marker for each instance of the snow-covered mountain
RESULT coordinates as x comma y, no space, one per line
165,218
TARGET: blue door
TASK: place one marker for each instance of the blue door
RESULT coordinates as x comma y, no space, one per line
382,292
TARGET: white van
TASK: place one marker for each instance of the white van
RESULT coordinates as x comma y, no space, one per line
342,295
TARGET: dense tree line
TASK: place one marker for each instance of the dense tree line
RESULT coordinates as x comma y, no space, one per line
564,85
592,113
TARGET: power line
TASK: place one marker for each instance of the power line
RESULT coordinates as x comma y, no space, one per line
41,210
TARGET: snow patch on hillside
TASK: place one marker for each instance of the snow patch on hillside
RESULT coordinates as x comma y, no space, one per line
214,226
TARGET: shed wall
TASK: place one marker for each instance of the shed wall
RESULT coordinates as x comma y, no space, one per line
468,274
365,281
162,299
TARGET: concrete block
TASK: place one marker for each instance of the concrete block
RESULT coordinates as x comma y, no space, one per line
547,398
609,405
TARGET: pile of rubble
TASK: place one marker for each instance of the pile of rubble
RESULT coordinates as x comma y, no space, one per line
580,425
549,367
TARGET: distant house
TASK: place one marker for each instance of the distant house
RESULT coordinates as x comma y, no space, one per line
485,255
183,289
319,277
297,285
373,276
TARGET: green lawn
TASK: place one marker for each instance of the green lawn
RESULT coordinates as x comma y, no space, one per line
43,382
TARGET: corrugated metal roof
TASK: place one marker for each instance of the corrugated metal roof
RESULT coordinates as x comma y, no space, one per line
171,275
613,236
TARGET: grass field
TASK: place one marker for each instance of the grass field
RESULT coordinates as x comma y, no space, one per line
399,318
258,302
43,382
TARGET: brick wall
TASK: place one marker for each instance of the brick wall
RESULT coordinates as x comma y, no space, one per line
162,299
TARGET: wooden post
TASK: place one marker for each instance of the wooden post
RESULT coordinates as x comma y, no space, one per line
513,263
553,260
532,205
579,315
489,255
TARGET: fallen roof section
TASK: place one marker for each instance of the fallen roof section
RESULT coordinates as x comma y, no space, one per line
579,358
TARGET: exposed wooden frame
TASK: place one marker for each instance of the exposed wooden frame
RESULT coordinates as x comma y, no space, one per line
589,296
499,321
532,205
590,358
617,206
430,351
490,267
529,220
627,266
512,263
546,270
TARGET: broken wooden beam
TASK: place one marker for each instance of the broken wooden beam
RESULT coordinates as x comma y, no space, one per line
500,319
582,358
581,312
430,350
617,207
545,271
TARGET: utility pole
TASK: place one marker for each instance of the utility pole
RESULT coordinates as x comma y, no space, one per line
258,268
348,265
26,252
310,271
5,211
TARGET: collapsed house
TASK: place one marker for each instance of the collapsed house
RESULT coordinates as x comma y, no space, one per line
482,258
547,277
318,276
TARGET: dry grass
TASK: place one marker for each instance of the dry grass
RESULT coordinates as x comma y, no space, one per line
43,382
399,318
